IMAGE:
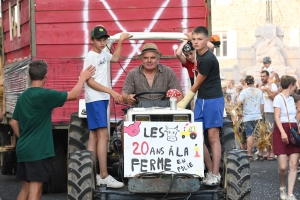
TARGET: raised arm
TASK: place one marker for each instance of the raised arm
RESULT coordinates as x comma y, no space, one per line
85,75
179,55
117,53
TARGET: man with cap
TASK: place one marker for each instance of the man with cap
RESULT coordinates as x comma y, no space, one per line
97,95
267,66
149,76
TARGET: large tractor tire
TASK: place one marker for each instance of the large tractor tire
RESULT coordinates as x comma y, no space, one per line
78,133
58,181
81,175
236,176
227,135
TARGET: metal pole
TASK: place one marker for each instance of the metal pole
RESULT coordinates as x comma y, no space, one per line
269,17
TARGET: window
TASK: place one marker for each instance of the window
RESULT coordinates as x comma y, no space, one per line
294,37
228,47
222,50
14,22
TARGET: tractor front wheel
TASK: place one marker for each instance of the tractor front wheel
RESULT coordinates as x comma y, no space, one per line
81,175
236,176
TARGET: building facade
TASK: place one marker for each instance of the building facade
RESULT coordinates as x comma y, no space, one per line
236,22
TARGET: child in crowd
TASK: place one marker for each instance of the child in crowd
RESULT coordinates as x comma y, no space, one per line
267,66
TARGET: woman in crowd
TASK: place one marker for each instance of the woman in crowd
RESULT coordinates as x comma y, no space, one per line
285,112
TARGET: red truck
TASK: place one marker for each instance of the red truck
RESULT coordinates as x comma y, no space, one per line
58,32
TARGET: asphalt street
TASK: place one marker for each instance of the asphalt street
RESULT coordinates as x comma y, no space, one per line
264,181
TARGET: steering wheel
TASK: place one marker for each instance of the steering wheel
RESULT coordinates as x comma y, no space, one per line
153,92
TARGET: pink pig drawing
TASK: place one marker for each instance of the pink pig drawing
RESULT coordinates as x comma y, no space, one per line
133,129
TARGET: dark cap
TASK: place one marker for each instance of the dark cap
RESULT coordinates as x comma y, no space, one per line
267,60
188,47
98,32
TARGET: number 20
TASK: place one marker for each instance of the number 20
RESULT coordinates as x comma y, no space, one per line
144,149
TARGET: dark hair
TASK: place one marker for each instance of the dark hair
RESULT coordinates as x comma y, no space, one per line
232,81
201,29
249,80
286,81
37,70
296,97
265,72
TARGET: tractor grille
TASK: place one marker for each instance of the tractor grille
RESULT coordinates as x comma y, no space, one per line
161,118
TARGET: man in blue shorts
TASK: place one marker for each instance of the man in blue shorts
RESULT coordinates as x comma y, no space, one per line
252,100
97,95
32,124
209,106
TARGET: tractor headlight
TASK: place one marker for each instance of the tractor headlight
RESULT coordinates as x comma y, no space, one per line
181,118
142,118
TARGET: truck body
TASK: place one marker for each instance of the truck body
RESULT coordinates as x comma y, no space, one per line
58,32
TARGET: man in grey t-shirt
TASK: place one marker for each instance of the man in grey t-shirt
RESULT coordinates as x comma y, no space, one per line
253,108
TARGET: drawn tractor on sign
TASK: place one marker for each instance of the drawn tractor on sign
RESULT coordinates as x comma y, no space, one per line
189,132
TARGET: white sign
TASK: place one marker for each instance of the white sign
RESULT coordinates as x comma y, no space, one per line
170,147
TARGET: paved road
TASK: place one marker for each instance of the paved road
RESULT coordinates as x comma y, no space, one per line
264,184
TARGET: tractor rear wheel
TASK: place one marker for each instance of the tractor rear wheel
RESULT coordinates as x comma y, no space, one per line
236,176
81,175
78,133
227,135
192,136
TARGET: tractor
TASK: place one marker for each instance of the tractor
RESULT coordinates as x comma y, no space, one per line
157,163
189,132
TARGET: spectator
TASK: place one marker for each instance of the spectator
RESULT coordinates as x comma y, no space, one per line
242,82
269,90
267,66
239,89
298,82
252,101
32,124
285,113
277,81
231,90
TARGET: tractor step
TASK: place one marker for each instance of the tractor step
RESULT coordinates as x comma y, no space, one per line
187,185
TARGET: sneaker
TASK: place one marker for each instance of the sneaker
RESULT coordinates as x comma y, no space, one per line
211,179
109,181
283,194
291,197
207,175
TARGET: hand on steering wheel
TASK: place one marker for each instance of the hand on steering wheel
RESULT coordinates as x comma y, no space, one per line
131,99
153,92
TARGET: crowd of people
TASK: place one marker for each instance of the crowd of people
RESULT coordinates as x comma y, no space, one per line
267,108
